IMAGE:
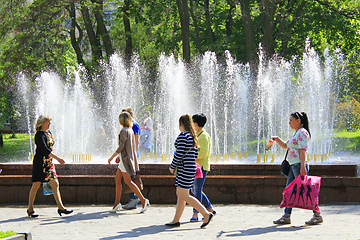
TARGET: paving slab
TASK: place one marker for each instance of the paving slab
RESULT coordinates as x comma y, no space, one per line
235,221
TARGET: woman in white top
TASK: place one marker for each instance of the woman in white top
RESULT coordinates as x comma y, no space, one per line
297,146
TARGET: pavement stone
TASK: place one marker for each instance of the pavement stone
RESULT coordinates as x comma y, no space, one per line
234,221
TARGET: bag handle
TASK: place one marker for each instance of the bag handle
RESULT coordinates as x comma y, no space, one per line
186,153
287,151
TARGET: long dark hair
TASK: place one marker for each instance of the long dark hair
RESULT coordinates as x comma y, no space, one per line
187,122
303,119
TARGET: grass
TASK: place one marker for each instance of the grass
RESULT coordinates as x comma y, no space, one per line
15,149
7,234
347,142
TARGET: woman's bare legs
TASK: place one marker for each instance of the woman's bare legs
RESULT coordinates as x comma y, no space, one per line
34,188
56,192
180,206
134,187
185,197
118,177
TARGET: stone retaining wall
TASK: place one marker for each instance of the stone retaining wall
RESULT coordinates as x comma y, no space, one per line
159,188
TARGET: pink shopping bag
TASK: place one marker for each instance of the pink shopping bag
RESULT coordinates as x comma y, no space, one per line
303,192
199,173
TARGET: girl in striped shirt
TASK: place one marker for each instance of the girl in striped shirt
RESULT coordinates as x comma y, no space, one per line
184,161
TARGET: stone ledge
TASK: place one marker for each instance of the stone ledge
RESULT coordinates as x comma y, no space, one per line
346,170
96,189
19,236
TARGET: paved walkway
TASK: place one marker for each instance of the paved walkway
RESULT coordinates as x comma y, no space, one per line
232,222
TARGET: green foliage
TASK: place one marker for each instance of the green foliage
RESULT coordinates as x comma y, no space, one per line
7,234
348,115
35,35
346,141
15,149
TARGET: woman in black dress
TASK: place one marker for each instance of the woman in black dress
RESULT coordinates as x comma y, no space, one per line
43,166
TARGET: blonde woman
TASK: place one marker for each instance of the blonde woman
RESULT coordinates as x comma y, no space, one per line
184,161
43,166
128,164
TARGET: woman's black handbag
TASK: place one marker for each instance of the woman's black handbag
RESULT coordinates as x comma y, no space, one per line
285,166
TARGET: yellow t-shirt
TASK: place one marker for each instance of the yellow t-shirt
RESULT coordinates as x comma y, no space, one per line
204,149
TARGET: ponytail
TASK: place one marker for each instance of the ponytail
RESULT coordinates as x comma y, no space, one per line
305,122
187,122
303,119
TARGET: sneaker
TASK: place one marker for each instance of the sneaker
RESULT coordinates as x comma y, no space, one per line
132,204
315,220
283,220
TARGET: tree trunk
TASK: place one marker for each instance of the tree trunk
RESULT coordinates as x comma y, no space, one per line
94,40
249,32
196,26
74,41
102,29
267,9
128,47
285,34
229,20
209,30
185,29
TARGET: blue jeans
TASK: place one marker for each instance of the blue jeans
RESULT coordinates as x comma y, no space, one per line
132,195
293,173
197,190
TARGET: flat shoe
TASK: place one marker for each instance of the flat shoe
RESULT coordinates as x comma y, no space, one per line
177,224
213,212
194,219
205,224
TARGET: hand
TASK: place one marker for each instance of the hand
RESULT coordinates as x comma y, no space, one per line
171,170
117,160
61,161
303,171
274,137
109,160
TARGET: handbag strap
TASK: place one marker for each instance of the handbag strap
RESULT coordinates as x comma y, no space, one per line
186,153
287,151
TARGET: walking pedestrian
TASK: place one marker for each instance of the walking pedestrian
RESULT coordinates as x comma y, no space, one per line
297,146
184,162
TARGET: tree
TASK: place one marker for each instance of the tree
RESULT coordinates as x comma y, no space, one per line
185,29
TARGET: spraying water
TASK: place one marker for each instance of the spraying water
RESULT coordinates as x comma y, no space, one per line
242,111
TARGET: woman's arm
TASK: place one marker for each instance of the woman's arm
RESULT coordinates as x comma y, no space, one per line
180,151
41,144
60,160
122,140
303,171
279,141
112,156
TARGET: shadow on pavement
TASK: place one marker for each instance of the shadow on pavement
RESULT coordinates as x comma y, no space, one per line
149,230
260,230
77,216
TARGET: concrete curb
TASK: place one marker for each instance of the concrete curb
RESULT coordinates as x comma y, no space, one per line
19,236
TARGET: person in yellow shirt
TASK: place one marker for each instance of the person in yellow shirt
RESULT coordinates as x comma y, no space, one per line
203,159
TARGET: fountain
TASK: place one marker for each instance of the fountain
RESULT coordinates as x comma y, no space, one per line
243,112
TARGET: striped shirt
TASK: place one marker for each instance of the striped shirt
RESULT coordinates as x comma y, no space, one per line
184,160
